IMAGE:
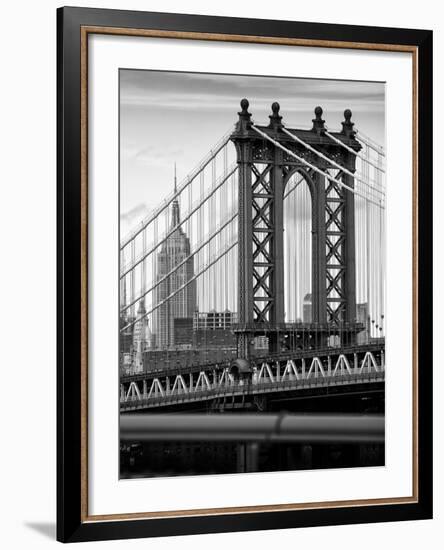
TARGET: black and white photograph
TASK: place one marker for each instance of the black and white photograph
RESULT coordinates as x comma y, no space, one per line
252,273
222,298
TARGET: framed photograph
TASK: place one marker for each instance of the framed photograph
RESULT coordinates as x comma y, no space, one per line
244,274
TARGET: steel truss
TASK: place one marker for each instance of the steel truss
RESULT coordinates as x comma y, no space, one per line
335,240
265,376
267,157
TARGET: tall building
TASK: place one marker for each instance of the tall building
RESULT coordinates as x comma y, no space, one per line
126,336
214,329
307,309
362,316
213,320
180,303
141,336
141,330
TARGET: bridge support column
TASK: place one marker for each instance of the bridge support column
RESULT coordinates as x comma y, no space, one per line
350,272
319,288
349,227
277,313
245,233
266,159
243,346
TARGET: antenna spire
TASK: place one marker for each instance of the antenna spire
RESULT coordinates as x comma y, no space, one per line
175,179
175,220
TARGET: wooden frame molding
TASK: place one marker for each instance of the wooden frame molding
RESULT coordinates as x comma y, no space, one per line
86,22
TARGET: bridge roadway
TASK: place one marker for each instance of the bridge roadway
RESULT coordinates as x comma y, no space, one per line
243,390
291,373
375,346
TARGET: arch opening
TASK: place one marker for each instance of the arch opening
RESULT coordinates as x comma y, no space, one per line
298,246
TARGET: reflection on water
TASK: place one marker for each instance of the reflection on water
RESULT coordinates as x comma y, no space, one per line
167,459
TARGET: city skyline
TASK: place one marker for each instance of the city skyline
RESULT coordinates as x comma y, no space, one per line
257,284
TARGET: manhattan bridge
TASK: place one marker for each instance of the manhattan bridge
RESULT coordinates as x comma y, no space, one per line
260,279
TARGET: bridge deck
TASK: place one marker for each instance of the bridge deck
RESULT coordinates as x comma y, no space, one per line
176,369
242,388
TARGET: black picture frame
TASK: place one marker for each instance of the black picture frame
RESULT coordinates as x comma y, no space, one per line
72,523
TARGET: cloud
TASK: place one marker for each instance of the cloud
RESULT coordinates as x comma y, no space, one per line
135,213
151,155
207,92
170,116
159,157
212,103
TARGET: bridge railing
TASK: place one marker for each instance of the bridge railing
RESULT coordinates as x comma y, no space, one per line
332,428
233,387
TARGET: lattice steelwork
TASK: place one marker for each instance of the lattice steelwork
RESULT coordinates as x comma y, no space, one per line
244,240
262,242
335,237
267,157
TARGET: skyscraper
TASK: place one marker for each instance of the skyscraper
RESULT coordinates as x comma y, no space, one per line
173,258
141,337
307,309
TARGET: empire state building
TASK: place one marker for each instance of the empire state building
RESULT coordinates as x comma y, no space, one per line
176,307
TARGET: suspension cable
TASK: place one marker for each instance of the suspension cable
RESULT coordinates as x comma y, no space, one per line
190,178
127,268
331,161
182,287
313,167
350,150
180,264
296,185
370,143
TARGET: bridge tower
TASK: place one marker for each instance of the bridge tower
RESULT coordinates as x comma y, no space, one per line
264,171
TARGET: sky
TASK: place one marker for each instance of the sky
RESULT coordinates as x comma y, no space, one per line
171,117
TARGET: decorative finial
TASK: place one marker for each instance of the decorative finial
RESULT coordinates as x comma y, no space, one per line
318,122
347,125
244,116
275,118
175,218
